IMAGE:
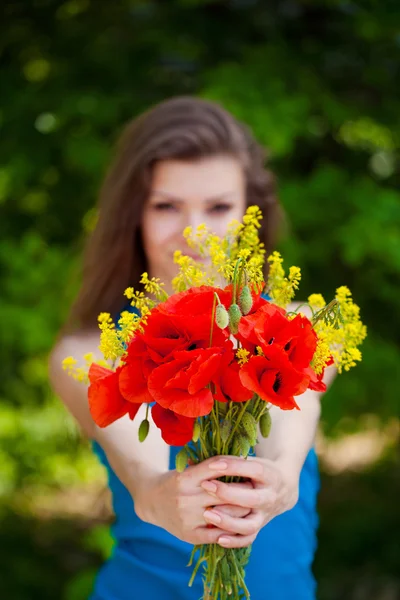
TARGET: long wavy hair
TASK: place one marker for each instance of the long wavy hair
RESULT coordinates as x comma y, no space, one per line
183,128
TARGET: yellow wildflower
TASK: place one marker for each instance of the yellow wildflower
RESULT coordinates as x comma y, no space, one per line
153,286
105,319
282,289
80,374
129,293
68,363
322,353
128,323
316,301
342,330
190,272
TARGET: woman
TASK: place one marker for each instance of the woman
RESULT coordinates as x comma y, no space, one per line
186,162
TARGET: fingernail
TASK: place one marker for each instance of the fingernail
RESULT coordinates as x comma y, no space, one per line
209,486
212,517
218,465
223,541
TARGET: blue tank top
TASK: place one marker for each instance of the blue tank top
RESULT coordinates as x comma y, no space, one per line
148,562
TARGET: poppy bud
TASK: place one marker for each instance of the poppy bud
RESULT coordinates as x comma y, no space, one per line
235,315
196,432
144,430
265,424
181,460
221,316
245,300
236,447
244,445
249,426
225,430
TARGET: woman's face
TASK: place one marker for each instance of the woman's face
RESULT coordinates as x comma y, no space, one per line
210,191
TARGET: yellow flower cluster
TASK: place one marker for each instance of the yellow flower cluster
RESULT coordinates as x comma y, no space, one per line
154,286
190,273
322,353
139,300
79,373
241,241
110,343
316,301
342,333
210,245
282,289
249,241
128,323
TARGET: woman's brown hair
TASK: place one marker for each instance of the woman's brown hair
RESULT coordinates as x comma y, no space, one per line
183,128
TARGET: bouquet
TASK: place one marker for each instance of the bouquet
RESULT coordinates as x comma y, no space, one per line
210,360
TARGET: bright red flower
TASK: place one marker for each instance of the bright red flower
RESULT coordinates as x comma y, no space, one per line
296,336
228,385
176,430
163,336
251,326
270,326
180,384
274,378
191,311
133,375
106,403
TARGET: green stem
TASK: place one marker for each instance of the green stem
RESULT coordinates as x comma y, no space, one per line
200,560
213,317
237,423
323,312
235,280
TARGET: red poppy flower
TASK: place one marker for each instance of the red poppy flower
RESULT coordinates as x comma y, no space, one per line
134,373
106,403
267,315
192,311
295,336
274,378
270,326
163,336
180,384
228,385
176,430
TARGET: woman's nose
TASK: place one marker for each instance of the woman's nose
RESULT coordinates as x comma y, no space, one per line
194,218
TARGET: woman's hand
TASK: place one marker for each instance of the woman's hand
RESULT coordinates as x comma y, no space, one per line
274,490
177,502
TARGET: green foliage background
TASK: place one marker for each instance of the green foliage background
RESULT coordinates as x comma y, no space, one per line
318,83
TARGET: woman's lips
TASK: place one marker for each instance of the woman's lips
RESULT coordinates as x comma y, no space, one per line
194,256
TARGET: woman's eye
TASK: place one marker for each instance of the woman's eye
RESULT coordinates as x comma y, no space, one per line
163,206
220,208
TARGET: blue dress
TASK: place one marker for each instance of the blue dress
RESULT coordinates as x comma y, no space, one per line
149,563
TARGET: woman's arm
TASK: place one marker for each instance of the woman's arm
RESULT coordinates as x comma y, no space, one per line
120,439
171,500
293,431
